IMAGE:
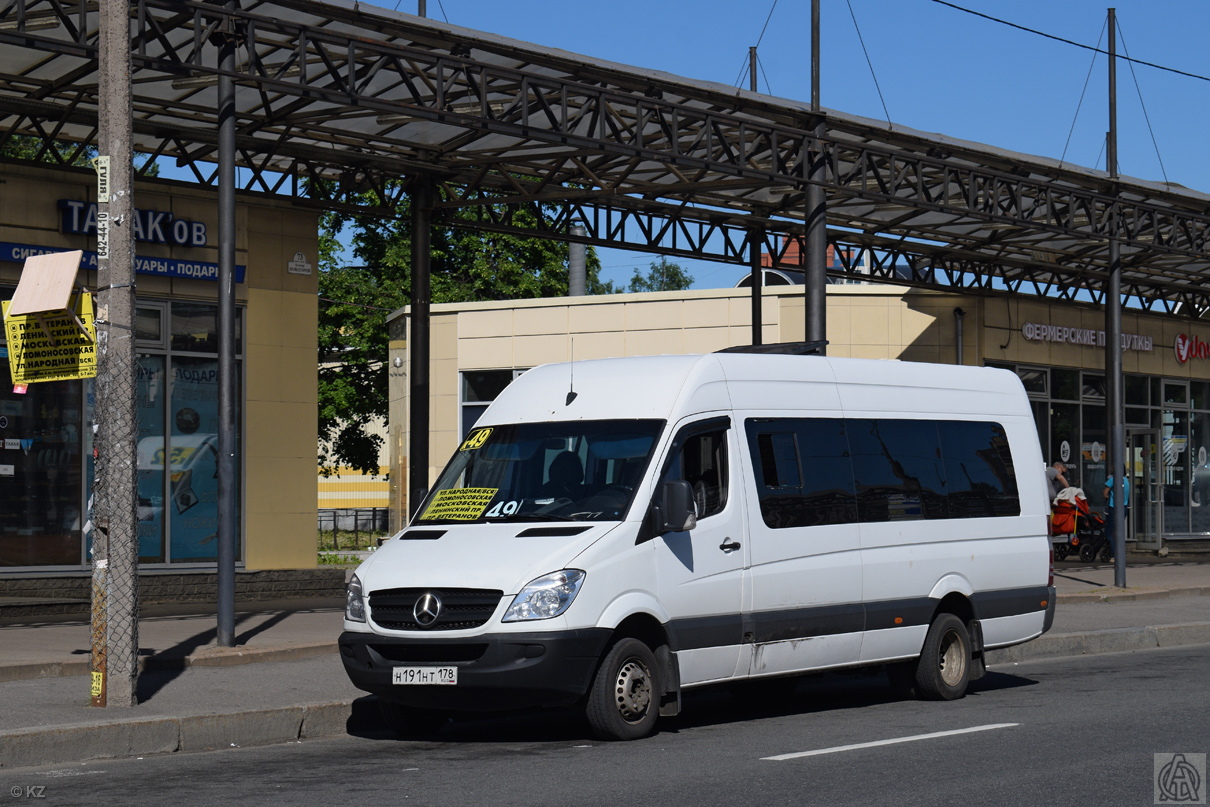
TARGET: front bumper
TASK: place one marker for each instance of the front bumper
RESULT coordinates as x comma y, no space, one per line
495,671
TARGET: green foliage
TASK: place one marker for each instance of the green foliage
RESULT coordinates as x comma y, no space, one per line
466,265
61,152
664,275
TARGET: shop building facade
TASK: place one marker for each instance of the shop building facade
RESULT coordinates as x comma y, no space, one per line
1056,347
46,431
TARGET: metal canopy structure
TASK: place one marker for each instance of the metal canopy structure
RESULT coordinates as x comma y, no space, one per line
337,98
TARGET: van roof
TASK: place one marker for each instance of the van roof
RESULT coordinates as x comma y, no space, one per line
671,387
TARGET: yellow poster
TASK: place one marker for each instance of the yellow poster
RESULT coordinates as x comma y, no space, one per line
461,504
54,349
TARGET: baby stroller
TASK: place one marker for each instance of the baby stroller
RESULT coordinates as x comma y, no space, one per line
1075,528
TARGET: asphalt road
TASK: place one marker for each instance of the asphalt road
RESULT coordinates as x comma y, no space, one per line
1073,731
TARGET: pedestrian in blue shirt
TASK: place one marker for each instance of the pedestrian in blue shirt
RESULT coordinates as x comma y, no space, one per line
1110,506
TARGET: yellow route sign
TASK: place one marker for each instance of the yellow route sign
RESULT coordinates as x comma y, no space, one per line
52,345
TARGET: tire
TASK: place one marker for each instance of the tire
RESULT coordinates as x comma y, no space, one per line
409,723
944,667
1105,554
623,703
1061,552
1087,553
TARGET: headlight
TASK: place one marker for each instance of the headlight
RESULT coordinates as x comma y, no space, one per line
546,597
355,604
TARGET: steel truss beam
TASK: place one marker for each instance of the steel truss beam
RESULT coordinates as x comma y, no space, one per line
337,105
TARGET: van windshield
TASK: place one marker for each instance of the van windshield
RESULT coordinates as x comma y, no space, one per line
585,470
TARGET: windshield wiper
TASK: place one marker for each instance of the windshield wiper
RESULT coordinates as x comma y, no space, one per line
531,517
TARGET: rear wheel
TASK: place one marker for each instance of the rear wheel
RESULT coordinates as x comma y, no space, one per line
623,703
1061,551
1087,553
411,723
944,668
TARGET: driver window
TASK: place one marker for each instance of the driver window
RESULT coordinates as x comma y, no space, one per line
702,462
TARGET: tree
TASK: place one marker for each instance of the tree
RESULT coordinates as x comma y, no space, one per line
664,275
466,265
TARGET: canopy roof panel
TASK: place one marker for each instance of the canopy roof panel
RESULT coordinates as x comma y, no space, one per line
359,97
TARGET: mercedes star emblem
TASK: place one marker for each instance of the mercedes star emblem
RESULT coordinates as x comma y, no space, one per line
427,609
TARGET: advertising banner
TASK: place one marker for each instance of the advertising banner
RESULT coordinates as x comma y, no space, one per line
50,346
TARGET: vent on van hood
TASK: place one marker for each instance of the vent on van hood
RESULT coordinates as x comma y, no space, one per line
551,532
422,535
786,348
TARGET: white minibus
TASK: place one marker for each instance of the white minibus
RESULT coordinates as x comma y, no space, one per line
612,533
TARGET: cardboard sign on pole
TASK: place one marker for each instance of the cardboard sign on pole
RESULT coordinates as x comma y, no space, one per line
50,330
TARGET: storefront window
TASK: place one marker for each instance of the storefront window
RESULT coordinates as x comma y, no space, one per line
1175,464
1034,379
1134,388
151,389
41,473
1200,393
1092,455
1176,393
1199,454
1065,384
1093,386
1065,434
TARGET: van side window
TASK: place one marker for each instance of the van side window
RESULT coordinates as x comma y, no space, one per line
979,470
816,471
898,469
702,462
803,474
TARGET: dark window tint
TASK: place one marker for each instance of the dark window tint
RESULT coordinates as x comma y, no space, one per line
804,477
813,471
978,470
898,469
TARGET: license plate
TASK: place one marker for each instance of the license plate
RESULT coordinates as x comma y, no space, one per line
412,676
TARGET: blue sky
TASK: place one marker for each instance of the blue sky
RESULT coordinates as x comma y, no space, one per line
939,70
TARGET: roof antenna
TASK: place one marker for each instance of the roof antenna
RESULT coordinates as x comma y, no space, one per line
571,375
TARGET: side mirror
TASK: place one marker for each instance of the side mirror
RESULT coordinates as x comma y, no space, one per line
677,511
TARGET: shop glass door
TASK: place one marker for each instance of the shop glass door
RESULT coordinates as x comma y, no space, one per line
1146,488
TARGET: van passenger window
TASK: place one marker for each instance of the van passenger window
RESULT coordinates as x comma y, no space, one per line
898,468
816,471
979,470
702,462
804,477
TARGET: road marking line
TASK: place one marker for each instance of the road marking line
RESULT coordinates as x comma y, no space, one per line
876,743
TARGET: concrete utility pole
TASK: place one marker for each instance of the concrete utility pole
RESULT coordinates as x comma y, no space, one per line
115,555
577,274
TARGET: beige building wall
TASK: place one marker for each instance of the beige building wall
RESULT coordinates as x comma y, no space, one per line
280,371
864,321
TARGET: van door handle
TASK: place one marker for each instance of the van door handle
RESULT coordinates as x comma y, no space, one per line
728,545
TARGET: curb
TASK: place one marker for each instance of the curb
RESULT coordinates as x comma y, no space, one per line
56,745
207,657
1117,640
1111,594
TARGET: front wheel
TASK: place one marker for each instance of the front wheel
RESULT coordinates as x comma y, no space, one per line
1087,553
944,668
623,703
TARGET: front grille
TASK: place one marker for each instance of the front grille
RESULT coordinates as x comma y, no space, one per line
461,608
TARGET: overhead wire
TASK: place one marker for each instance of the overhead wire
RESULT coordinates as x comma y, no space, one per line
869,62
1036,32
739,79
1146,117
1080,103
